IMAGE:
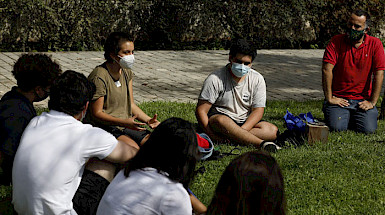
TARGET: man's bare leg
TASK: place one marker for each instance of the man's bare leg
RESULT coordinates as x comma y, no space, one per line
226,126
265,130
104,168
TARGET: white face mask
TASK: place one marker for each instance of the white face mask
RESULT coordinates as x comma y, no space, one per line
82,117
127,61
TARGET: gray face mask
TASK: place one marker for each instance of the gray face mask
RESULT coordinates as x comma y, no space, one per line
127,62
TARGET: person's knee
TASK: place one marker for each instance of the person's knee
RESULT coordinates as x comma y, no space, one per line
366,121
218,121
337,123
274,131
270,131
336,118
367,129
337,127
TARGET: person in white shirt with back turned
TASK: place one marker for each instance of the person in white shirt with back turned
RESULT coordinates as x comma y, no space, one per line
55,147
156,180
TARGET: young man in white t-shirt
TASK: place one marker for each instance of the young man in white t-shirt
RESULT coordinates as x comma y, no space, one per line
53,152
232,101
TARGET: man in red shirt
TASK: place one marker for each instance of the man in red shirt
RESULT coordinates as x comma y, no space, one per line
352,74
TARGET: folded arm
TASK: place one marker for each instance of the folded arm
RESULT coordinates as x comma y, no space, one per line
254,117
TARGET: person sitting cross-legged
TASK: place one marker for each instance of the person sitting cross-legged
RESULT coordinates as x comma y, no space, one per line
232,101
54,149
113,107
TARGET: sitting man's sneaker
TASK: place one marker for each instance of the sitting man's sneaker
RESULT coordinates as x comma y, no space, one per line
270,146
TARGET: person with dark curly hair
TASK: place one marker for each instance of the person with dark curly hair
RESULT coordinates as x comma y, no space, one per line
34,74
252,184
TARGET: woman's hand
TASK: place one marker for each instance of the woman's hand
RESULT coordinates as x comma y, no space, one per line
153,122
132,124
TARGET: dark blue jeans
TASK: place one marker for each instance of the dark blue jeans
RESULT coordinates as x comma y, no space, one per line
351,117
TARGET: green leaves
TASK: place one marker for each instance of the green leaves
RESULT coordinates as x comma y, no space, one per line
190,24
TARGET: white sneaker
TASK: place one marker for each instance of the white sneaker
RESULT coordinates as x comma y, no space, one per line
270,146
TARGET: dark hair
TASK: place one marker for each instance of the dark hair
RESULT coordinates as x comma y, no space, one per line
70,93
113,43
359,12
32,70
172,148
242,46
251,184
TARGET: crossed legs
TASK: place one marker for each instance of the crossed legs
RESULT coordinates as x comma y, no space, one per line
223,125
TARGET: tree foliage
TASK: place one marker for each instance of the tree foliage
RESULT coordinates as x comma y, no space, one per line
177,24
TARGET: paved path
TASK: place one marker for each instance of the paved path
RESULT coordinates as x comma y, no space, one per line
178,75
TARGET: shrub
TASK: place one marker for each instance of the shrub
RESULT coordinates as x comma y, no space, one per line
56,25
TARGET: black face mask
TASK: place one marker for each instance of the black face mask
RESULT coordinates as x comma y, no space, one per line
41,98
355,35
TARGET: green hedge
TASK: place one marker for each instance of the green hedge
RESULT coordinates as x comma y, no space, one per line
54,25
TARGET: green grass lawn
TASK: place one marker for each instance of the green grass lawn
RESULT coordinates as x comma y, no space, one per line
344,176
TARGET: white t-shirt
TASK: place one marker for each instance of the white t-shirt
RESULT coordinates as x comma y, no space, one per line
50,160
144,192
231,98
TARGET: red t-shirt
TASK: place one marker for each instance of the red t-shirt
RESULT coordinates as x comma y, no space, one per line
354,67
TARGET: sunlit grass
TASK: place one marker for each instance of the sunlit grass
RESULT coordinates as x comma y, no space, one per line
343,176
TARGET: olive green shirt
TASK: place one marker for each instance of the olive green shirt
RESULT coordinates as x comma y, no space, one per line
116,93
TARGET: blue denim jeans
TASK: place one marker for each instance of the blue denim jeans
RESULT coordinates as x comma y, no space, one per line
350,117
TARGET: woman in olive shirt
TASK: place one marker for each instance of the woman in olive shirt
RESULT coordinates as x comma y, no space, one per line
113,107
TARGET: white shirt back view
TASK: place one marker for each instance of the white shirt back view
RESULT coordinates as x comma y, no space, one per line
145,192
50,161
